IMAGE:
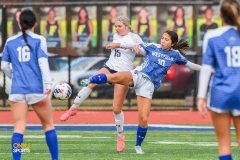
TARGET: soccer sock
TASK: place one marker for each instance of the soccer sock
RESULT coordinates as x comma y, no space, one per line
119,120
82,95
99,79
17,139
225,157
52,142
141,133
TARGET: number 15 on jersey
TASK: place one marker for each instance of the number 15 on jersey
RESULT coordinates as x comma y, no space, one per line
117,53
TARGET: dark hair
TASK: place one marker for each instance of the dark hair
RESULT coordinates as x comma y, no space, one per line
175,14
145,10
27,20
15,18
15,22
83,8
230,12
208,8
181,45
50,10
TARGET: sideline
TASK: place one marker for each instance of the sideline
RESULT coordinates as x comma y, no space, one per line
111,127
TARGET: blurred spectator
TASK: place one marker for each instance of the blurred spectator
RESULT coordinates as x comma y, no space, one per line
110,27
178,23
14,30
209,24
83,30
52,30
143,26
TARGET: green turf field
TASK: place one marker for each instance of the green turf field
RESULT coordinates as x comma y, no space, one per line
161,145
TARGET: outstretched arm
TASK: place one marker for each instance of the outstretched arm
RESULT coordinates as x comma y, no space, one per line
193,66
135,47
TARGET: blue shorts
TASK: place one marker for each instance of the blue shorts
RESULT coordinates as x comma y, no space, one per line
109,69
221,101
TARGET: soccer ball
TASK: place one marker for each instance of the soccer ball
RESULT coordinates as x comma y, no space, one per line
62,91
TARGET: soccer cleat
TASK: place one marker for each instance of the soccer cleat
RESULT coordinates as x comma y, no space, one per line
71,112
120,143
139,150
84,82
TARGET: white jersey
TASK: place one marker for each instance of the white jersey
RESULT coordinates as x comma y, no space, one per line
121,59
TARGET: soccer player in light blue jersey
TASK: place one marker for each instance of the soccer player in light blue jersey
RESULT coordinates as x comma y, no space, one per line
144,78
31,82
221,52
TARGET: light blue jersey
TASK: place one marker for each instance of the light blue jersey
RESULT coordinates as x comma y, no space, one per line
221,50
157,62
26,76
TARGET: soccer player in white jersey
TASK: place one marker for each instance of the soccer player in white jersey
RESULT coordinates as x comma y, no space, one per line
221,53
121,59
144,78
31,82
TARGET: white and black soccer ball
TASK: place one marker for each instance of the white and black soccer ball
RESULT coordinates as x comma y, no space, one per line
62,91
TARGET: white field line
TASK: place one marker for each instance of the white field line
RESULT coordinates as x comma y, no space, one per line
150,125
113,125
191,143
59,136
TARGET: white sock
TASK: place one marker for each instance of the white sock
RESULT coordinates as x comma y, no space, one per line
119,120
82,95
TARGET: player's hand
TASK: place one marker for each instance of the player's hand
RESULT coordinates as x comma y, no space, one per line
47,91
202,107
136,48
113,45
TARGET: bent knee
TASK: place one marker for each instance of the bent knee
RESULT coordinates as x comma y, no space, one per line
113,78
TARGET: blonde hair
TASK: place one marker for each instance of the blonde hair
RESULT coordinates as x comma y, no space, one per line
230,12
125,20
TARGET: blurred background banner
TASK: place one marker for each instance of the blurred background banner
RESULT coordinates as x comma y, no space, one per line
109,15
53,26
84,26
144,22
12,21
180,19
208,19
0,27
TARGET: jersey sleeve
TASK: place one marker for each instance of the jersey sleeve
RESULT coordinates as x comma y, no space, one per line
5,54
137,39
149,47
42,48
208,54
181,60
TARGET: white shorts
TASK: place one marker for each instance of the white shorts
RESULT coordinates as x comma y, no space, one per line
234,112
27,98
142,84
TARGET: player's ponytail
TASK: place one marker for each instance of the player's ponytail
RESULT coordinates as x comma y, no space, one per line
125,20
230,11
182,45
27,20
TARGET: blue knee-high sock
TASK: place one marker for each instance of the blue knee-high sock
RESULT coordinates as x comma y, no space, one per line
52,142
141,133
99,79
17,140
225,157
